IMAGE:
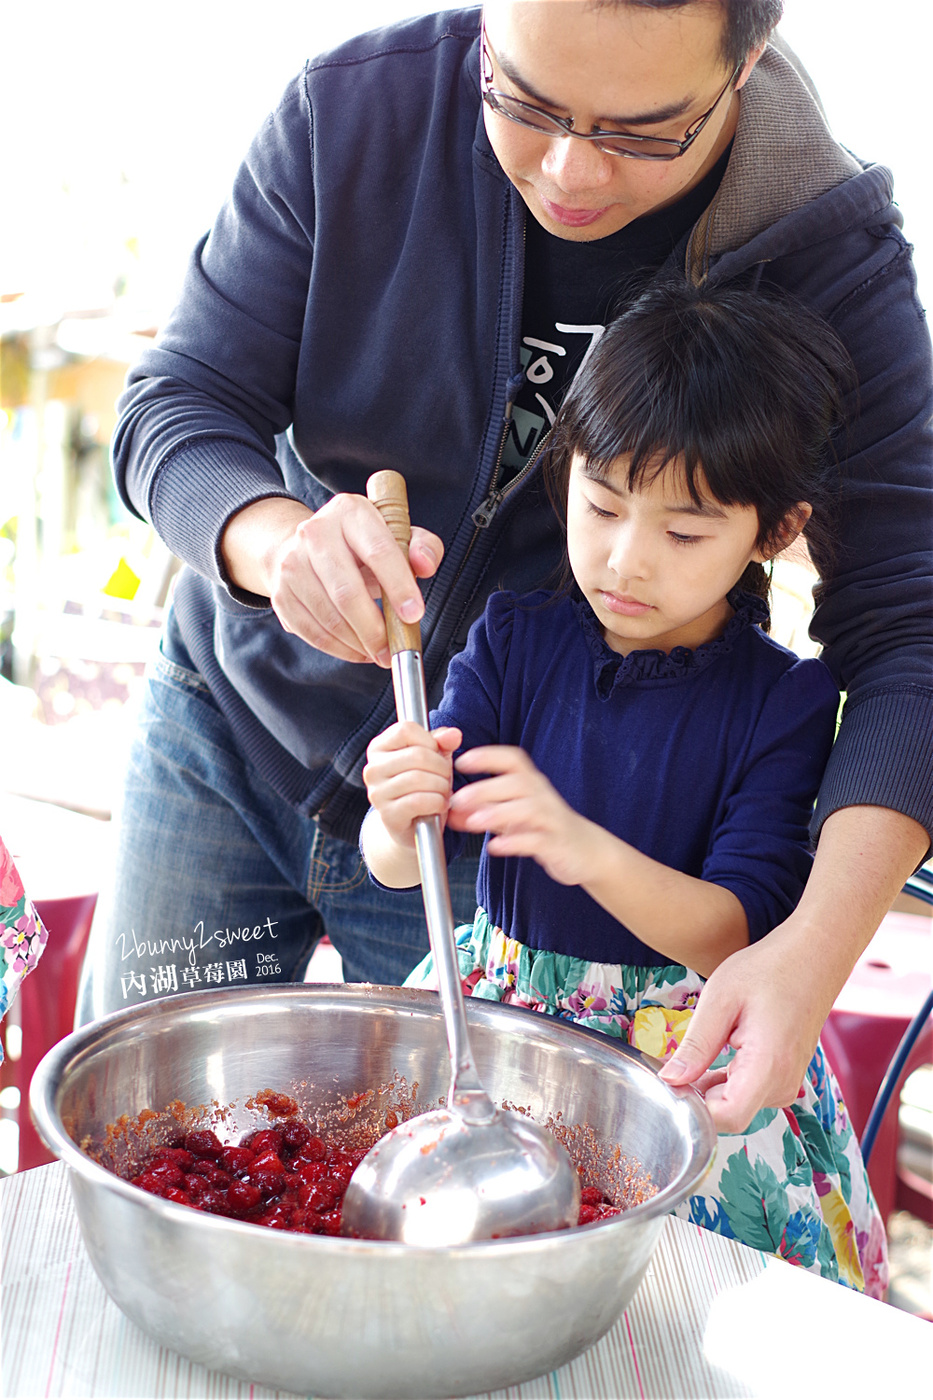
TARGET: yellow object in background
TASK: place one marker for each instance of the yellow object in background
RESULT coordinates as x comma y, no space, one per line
123,582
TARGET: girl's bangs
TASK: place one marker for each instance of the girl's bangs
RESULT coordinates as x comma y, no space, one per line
648,459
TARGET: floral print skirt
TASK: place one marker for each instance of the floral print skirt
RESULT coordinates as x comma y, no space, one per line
22,936
793,1184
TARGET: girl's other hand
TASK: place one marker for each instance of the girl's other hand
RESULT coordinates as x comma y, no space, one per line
409,774
524,813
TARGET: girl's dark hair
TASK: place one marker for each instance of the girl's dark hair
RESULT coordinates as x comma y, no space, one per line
741,388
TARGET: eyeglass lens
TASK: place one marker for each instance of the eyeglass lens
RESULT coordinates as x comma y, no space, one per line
526,115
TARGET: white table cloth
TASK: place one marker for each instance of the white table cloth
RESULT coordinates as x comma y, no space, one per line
711,1318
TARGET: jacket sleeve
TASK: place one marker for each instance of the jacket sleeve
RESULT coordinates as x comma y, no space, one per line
196,436
759,847
875,606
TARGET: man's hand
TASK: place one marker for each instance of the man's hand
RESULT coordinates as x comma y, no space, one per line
770,1000
521,809
759,1002
323,570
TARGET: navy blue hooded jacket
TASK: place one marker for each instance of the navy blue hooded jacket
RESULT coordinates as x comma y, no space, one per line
357,306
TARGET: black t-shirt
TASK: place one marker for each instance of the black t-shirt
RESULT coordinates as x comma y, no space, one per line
571,291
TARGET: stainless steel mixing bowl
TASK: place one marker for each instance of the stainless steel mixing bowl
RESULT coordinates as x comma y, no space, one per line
338,1317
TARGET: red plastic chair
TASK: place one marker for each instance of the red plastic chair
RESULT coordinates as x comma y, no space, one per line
878,1032
46,1005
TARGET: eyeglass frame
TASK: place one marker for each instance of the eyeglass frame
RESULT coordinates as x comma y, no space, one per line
564,125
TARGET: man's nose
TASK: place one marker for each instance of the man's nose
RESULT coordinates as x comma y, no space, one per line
575,166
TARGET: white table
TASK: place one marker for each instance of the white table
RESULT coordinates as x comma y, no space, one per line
712,1318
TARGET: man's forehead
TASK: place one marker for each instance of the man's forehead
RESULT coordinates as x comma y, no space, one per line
613,45
660,111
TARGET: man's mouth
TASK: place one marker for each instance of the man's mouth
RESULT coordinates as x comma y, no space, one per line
572,218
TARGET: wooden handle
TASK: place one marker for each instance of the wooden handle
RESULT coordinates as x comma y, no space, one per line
389,494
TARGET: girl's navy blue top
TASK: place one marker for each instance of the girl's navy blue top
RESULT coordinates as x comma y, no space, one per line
706,760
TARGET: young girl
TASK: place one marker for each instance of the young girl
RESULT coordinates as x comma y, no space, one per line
642,757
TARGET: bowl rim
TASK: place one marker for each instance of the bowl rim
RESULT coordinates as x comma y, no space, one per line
52,1130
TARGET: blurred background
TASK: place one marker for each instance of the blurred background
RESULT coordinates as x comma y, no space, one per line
123,132
123,128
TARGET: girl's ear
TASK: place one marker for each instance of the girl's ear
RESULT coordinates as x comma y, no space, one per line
785,534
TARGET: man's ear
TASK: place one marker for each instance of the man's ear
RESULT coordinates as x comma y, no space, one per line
785,534
749,64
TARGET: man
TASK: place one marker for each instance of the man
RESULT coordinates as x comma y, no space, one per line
425,239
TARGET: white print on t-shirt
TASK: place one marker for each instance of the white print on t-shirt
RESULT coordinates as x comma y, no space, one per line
539,371
527,427
594,332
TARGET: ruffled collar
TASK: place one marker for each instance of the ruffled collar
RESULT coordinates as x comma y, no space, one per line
611,669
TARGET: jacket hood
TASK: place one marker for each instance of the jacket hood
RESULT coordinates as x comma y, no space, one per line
789,184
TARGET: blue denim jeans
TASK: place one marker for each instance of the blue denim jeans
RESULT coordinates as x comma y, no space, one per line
219,882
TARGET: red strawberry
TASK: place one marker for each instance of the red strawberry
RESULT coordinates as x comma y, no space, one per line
295,1136
147,1182
168,1174
243,1196
314,1150
592,1196
236,1160
176,1155
204,1143
265,1140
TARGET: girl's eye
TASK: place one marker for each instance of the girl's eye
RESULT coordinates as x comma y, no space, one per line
603,514
684,539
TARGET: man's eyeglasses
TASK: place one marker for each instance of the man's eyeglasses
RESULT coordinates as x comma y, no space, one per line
614,143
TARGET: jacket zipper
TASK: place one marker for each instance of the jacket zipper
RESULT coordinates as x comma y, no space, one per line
486,511
483,515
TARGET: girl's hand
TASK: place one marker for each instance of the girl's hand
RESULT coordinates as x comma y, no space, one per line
408,775
523,811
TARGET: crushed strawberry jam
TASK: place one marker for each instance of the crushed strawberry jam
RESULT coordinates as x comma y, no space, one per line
283,1177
